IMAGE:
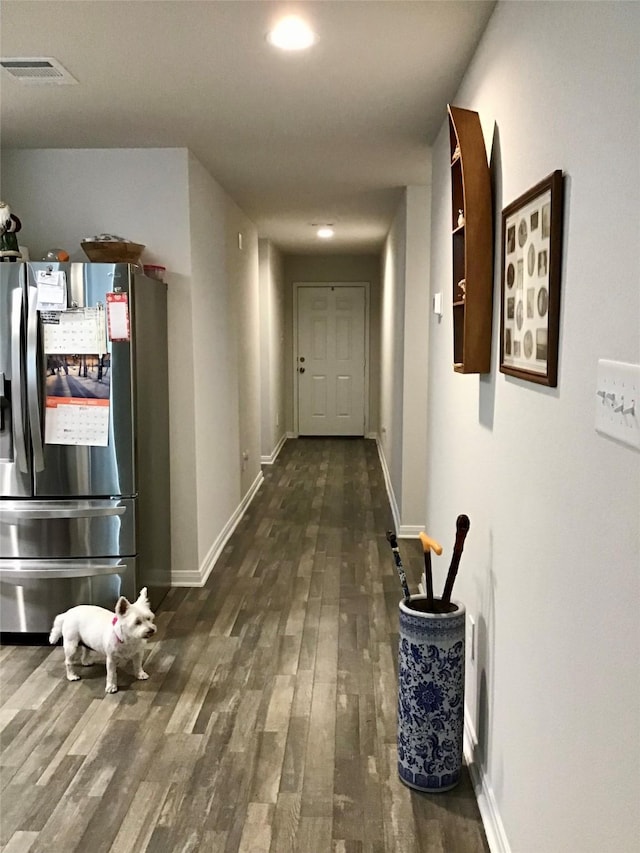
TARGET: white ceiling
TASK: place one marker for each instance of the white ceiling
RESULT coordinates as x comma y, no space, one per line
329,135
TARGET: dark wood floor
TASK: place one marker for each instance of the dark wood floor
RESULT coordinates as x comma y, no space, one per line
269,719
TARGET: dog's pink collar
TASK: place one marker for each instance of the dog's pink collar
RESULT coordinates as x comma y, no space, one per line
114,622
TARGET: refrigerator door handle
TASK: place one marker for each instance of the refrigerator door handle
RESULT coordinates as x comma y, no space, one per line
19,437
22,514
47,571
32,381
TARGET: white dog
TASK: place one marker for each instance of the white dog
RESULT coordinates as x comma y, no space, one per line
120,637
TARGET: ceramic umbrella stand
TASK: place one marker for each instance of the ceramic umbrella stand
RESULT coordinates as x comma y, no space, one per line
430,694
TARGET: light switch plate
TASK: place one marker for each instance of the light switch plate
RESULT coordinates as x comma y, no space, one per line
618,401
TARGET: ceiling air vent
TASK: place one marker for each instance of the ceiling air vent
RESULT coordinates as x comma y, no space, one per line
39,69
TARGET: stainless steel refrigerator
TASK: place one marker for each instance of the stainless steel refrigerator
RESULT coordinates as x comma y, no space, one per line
84,439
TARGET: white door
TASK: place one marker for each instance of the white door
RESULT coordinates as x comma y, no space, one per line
330,361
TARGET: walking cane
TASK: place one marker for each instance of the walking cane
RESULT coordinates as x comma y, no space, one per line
428,545
462,528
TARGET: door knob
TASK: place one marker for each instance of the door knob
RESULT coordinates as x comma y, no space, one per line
301,369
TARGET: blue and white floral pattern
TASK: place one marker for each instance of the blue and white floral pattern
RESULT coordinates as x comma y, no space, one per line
431,698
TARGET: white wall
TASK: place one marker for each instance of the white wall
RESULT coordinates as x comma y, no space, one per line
244,319
392,347
551,569
209,389
63,196
405,358
415,372
272,336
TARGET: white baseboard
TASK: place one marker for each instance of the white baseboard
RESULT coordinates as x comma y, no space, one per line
491,820
184,578
269,460
387,482
199,577
410,531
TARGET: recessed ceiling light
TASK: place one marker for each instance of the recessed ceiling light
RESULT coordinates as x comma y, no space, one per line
291,33
325,232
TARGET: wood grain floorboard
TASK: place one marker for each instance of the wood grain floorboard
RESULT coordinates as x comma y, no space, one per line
268,724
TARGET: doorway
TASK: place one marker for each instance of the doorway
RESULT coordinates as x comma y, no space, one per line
330,365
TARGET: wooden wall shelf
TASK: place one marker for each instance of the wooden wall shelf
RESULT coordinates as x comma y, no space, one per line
472,243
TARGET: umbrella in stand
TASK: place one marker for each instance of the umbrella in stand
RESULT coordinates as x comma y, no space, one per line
391,539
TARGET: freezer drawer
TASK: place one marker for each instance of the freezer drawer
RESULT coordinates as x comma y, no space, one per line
59,529
33,592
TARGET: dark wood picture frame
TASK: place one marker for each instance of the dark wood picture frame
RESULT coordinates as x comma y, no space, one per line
530,288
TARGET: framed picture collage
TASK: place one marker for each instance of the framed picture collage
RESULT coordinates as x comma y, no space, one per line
531,259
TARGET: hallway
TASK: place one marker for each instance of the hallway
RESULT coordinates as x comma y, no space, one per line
269,719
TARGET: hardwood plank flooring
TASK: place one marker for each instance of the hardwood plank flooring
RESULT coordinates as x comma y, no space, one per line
268,724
